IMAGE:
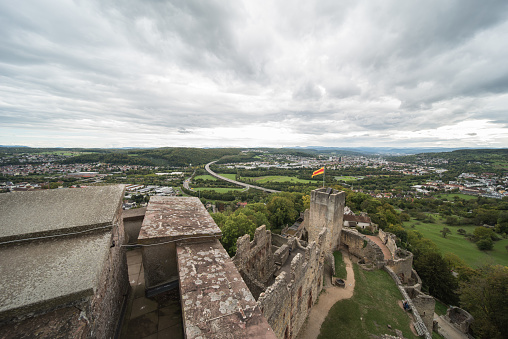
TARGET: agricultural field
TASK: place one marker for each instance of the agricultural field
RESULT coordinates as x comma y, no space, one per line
458,244
280,178
209,177
217,189
372,307
451,196
347,178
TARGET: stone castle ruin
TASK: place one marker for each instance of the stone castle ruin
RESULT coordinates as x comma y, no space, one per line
266,291
284,273
285,280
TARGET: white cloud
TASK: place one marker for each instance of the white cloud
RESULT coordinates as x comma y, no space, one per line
245,73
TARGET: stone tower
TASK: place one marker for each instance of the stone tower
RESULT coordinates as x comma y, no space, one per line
326,210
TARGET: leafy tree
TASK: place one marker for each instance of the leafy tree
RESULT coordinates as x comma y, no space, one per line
458,265
306,202
282,212
437,277
452,220
53,185
258,207
234,227
486,298
445,231
138,199
483,232
420,245
258,218
404,217
219,218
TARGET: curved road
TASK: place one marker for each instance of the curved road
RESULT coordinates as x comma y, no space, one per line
212,173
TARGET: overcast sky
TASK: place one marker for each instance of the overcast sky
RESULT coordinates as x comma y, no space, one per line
254,73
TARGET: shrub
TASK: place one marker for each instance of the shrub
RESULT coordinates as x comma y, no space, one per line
485,244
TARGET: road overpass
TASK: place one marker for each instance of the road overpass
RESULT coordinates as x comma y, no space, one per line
212,173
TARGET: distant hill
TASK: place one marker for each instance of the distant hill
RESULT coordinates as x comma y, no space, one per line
377,150
463,160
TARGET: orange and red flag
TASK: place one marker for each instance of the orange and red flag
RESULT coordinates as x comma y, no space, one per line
319,171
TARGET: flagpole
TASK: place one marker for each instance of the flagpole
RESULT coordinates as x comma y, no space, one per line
323,176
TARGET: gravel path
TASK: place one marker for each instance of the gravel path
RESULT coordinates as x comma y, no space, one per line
328,298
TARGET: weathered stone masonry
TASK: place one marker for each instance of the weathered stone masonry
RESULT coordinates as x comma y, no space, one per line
255,260
287,300
75,280
326,211
182,238
362,247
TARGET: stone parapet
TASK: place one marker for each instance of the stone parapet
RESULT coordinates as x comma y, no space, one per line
75,263
362,247
390,241
216,302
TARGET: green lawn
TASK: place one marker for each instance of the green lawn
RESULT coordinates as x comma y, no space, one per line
209,177
340,266
279,178
450,196
372,307
348,178
458,244
217,189
440,308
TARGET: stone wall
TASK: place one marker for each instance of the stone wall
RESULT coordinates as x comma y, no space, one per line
362,247
106,304
132,220
287,302
425,304
275,304
459,318
278,240
402,265
159,264
418,322
326,211
254,259
389,239
281,255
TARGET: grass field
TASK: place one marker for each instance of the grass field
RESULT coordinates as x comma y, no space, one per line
209,177
458,244
280,178
440,308
450,196
372,307
340,266
217,189
348,178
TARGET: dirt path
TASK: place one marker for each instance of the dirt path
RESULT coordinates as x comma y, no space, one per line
328,298
386,251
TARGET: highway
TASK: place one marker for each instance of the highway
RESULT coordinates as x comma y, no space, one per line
212,173
186,182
